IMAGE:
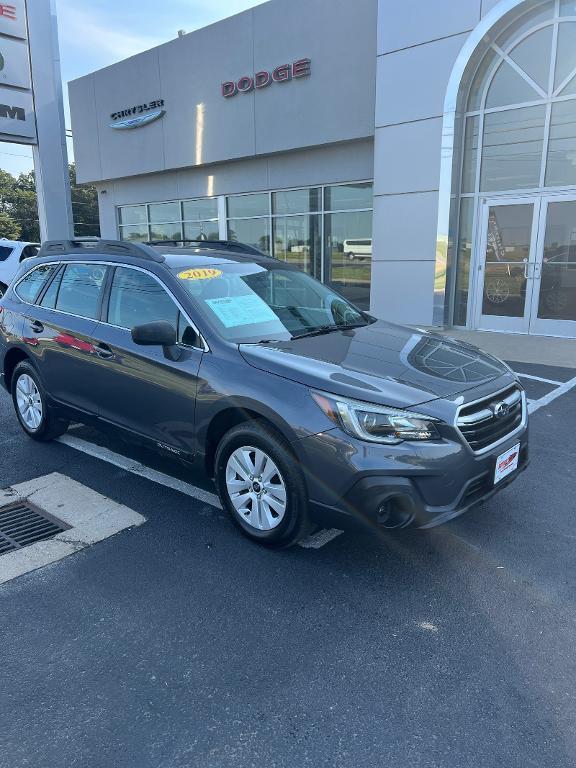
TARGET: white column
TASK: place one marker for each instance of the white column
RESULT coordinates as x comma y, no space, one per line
50,156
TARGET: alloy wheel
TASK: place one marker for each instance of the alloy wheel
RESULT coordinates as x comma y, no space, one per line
256,488
29,402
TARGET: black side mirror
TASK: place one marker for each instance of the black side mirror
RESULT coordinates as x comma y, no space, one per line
158,334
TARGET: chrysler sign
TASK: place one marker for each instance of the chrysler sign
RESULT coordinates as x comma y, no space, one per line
264,78
134,117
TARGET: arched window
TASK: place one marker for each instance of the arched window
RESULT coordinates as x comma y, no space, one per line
519,124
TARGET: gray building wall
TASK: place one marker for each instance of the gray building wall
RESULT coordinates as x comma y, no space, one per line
201,127
351,161
418,44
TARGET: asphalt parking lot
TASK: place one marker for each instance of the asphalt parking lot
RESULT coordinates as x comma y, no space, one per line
180,643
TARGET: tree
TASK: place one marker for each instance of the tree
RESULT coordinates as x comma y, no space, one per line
84,206
9,228
18,200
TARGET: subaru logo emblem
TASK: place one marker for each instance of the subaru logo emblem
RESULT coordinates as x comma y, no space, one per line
500,409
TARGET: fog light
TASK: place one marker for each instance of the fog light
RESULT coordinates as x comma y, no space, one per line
395,513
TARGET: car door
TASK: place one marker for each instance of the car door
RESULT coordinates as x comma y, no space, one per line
58,328
140,388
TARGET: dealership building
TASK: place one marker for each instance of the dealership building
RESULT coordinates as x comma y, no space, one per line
418,156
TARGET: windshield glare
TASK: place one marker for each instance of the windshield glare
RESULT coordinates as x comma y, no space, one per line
251,303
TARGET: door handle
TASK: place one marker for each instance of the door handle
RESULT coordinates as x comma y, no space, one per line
103,351
36,326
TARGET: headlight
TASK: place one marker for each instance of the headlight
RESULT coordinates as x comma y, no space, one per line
376,423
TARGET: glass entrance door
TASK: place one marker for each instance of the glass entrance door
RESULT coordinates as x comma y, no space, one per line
553,310
507,264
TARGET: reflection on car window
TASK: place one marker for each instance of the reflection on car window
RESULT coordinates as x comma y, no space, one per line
30,286
137,298
250,302
81,289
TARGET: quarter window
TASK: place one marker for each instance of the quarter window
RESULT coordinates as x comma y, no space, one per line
5,252
81,290
30,286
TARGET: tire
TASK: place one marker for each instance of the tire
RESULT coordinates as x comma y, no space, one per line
3,289
37,420
351,256
257,507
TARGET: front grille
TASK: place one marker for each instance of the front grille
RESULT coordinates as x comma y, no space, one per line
480,424
22,524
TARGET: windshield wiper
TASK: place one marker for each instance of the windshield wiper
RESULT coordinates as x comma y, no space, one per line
328,329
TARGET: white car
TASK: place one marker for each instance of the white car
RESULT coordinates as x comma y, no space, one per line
12,252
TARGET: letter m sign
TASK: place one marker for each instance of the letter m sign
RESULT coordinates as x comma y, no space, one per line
13,113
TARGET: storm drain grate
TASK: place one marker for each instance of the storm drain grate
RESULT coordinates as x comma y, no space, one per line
22,524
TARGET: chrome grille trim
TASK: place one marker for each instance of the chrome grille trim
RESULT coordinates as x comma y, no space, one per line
484,418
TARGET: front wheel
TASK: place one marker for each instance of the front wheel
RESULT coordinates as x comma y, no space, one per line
261,485
28,396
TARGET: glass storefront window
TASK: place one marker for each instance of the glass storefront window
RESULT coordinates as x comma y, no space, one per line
297,241
470,154
512,152
348,255
166,231
133,214
567,7
290,229
348,197
138,232
161,213
255,232
508,87
534,55
464,259
201,230
200,210
561,168
248,205
296,201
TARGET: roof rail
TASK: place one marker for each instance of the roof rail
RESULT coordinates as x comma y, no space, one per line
113,247
223,245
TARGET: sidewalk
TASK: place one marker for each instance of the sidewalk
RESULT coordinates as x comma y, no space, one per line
519,348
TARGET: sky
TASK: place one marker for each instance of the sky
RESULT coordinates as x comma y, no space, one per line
95,33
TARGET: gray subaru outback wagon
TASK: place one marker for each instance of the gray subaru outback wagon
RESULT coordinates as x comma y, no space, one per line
304,409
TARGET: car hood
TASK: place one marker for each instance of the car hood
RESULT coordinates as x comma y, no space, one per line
382,363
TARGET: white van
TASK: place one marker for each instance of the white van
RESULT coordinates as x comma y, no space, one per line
12,252
360,248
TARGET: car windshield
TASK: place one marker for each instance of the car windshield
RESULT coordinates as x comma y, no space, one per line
249,303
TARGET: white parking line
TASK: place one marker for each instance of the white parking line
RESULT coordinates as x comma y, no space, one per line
315,541
547,399
136,468
539,378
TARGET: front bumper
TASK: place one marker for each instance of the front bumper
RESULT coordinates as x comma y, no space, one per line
418,493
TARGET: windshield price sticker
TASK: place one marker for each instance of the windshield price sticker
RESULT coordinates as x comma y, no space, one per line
199,274
234,311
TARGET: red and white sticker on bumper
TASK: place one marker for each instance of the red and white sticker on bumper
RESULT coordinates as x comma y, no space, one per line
506,463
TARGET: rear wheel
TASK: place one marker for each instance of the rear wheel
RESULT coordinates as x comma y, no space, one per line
28,396
261,485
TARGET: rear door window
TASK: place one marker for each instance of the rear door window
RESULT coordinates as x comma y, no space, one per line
30,286
49,299
5,252
80,291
